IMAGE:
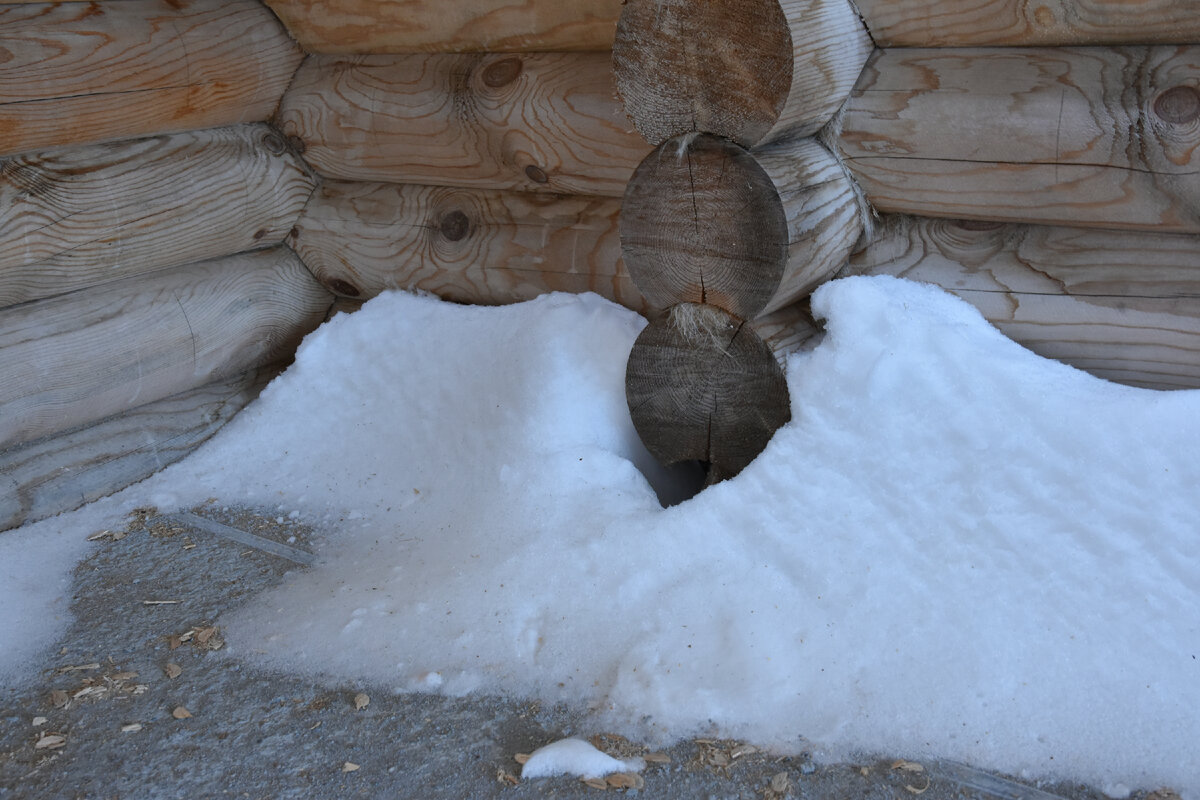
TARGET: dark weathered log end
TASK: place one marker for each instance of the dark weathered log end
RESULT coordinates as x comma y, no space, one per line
702,386
702,222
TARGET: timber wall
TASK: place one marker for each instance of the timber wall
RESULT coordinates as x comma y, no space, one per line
189,187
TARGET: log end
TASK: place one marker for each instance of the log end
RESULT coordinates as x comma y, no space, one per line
683,66
702,386
702,222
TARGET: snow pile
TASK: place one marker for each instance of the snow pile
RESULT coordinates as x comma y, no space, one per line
35,574
955,549
576,757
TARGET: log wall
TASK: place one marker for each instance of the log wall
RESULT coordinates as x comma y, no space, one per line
87,72
1094,136
1124,306
545,122
467,245
74,359
370,26
75,218
61,473
958,23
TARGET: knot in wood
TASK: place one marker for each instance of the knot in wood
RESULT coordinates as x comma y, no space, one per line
297,143
1178,105
339,286
273,143
536,174
455,226
503,72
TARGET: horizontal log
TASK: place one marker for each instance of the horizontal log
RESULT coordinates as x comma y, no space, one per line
466,245
1124,306
545,122
791,329
61,473
702,386
976,23
1098,136
72,73
786,331
369,26
706,221
71,360
74,218
753,71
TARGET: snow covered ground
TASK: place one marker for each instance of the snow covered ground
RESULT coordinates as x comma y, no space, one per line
955,549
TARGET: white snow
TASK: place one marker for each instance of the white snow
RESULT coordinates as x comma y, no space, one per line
955,549
35,578
576,757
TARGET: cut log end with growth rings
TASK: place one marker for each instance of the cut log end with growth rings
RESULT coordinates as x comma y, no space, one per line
707,221
751,70
702,386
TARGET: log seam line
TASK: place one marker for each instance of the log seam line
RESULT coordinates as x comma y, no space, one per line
991,162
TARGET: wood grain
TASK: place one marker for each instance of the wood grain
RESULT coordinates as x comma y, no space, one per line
75,218
967,23
1122,305
791,329
77,358
72,73
753,71
702,386
1098,136
546,122
61,473
466,245
706,221
444,26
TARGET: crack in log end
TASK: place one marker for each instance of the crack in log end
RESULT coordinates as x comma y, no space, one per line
701,385
702,221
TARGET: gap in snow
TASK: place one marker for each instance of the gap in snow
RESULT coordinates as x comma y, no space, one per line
956,549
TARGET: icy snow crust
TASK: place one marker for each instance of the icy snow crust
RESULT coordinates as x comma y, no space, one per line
955,549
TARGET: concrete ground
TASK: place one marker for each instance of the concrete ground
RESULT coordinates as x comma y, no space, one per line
137,701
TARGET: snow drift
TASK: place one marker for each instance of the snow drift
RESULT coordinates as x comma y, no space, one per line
956,548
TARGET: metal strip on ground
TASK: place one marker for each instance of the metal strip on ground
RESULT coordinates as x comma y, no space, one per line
293,554
989,784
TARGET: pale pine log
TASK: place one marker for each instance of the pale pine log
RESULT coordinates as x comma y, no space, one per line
72,73
544,122
791,329
702,386
976,23
449,26
61,473
1098,136
78,217
1124,306
751,70
77,358
706,221
467,245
